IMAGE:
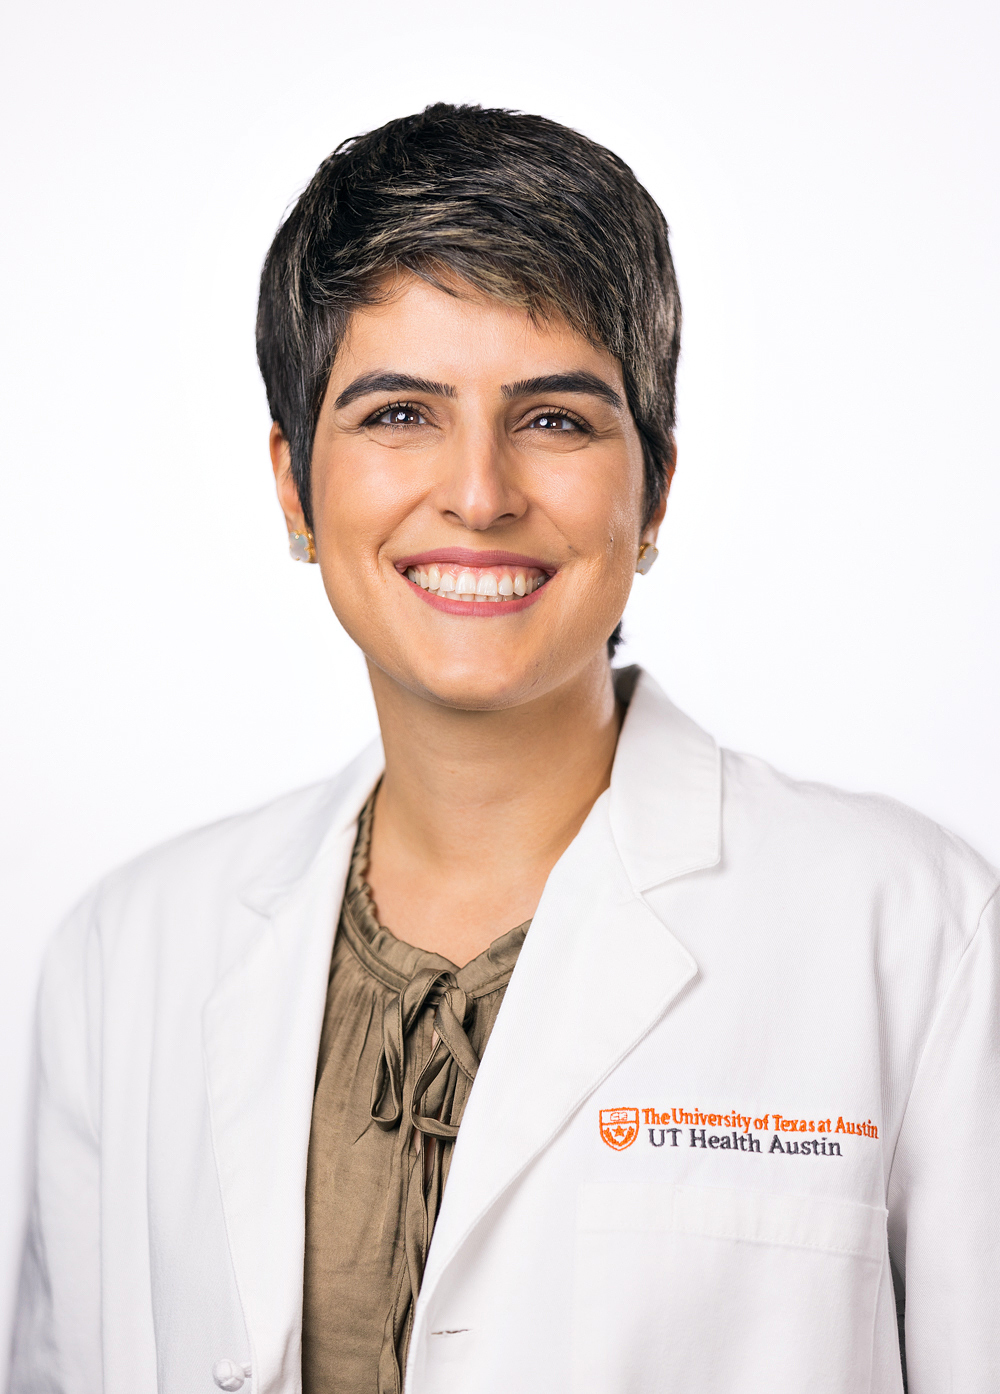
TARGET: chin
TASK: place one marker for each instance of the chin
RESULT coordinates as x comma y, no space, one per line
494,677
478,687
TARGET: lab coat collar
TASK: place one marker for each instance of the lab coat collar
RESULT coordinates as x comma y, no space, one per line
666,788
261,1029
337,805
596,972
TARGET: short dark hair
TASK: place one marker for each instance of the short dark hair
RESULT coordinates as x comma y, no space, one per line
522,208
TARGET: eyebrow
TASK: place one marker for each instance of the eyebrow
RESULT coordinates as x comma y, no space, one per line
391,382
581,381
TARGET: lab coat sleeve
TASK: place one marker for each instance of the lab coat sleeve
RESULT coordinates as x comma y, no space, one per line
944,1191
57,1333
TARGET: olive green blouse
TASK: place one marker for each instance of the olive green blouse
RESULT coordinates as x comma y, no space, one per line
402,1037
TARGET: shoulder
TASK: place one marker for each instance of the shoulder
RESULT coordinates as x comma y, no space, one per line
841,839
203,872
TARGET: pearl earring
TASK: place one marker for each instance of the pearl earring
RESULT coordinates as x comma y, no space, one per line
647,555
302,546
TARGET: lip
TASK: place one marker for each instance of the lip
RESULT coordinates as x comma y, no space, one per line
468,556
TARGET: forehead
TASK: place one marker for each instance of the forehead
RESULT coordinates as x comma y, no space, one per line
464,338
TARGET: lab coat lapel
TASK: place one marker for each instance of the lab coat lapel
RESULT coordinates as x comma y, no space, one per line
261,1034
598,968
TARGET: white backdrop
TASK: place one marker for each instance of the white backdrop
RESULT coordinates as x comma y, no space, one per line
828,592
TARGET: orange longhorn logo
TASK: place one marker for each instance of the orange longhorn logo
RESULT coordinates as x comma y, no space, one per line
619,1127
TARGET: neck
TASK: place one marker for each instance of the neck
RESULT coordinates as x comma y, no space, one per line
477,807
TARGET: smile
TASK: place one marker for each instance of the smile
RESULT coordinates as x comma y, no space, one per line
466,582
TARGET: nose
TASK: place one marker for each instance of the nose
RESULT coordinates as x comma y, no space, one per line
478,486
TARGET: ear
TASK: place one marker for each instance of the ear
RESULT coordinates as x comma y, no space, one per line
652,528
288,494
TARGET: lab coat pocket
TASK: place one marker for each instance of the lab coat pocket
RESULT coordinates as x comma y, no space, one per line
723,1291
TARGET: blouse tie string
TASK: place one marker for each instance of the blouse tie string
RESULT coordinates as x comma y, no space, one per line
451,1009
438,990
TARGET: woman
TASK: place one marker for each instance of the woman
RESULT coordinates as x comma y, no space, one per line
687,1069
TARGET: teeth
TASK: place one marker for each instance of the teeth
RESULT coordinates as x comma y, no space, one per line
475,586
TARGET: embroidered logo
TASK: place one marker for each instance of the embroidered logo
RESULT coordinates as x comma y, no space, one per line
619,1127
679,1127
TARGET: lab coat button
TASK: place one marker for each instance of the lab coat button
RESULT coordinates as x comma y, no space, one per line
228,1375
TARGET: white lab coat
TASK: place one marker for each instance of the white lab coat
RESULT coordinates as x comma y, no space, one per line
750,1051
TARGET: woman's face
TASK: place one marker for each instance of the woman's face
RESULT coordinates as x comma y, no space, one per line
477,496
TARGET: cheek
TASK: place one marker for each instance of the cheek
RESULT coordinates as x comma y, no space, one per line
359,498
599,509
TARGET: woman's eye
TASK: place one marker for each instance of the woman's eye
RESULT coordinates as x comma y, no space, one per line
398,416
549,421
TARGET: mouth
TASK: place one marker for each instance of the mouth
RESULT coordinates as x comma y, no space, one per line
487,584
